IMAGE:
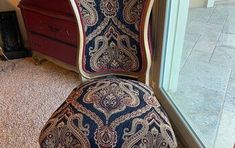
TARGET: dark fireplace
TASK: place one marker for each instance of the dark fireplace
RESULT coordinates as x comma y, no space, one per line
10,36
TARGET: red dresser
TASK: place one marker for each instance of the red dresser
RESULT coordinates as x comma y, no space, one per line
52,30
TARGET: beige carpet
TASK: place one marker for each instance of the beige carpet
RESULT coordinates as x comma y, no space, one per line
29,94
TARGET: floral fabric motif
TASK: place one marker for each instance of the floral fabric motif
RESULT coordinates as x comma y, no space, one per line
88,11
132,11
112,36
133,119
111,97
109,7
113,51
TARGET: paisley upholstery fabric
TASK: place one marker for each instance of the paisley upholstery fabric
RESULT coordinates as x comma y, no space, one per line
108,113
113,36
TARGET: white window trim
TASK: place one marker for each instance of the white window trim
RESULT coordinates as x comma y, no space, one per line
173,14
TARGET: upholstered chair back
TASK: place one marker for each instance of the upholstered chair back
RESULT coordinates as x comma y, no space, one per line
114,37
111,112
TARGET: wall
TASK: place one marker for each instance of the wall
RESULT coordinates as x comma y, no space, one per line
197,3
6,5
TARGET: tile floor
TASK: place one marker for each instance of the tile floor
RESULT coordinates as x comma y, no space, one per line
206,87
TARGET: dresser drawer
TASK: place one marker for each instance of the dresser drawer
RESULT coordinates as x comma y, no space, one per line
52,27
49,47
56,6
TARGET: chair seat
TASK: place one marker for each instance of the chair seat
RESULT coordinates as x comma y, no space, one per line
108,113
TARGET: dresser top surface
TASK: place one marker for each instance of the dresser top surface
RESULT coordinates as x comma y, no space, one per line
60,6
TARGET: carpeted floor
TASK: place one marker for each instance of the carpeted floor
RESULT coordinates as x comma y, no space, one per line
29,94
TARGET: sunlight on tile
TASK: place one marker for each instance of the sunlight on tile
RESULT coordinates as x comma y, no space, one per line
226,136
205,93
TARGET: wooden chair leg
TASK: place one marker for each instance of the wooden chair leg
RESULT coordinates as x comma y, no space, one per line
38,60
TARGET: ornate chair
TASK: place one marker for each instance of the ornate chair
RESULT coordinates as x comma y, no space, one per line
112,110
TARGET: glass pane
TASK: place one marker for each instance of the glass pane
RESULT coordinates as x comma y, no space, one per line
204,90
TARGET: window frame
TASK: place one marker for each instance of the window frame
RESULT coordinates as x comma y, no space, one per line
168,26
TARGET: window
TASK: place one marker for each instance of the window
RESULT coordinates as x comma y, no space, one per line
196,79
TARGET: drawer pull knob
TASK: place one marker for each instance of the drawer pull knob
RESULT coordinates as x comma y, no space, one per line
67,32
